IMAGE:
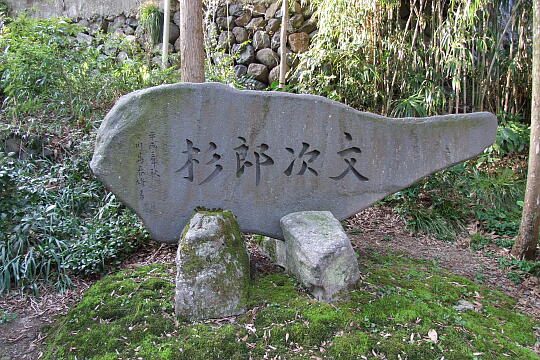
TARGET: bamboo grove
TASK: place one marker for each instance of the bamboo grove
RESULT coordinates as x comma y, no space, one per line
422,57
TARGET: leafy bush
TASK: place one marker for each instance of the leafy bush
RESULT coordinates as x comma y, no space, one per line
4,9
151,20
57,221
414,59
512,137
442,203
46,72
435,205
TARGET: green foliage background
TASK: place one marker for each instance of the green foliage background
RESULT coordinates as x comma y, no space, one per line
421,57
56,219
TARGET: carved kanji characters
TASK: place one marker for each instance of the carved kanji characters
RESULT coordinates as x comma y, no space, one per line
302,155
348,155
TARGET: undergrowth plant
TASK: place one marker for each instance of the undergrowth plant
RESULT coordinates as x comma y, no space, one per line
419,57
151,19
46,73
445,202
58,221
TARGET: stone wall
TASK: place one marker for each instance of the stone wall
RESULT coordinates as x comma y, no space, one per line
74,8
251,34
248,30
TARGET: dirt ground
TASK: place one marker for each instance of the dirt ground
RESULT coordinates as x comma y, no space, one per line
377,229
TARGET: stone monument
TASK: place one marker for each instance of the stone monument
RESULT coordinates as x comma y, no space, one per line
166,150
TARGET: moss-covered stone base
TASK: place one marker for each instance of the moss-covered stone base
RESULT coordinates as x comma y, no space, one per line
212,278
389,315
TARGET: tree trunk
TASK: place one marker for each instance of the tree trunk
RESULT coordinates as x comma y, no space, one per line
283,68
166,22
527,239
191,43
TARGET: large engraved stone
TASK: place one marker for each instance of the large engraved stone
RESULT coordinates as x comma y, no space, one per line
166,150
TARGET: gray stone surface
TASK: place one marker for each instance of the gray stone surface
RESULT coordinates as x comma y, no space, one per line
266,154
243,19
246,54
319,253
299,42
240,34
174,32
261,40
267,57
296,21
176,18
236,9
256,24
116,24
212,268
252,84
274,249
271,11
226,40
274,75
98,25
225,22
258,10
240,71
84,38
276,41
258,71
273,26
133,22
73,8
309,26
177,44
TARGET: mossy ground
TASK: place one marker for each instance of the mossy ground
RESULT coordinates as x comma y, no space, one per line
130,316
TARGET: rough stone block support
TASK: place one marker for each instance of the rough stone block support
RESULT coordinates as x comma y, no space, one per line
317,252
212,278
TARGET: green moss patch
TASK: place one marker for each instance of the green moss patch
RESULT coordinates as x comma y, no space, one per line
389,315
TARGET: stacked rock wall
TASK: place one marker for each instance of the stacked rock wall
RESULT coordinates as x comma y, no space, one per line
248,30
127,25
251,34
73,8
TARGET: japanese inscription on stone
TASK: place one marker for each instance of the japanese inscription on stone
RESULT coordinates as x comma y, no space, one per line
166,150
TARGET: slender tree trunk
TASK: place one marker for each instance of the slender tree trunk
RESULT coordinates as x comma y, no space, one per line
283,68
191,43
527,239
166,22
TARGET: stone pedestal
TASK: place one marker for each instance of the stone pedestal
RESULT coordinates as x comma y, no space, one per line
212,278
317,252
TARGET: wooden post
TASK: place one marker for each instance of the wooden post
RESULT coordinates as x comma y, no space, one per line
283,68
191,42
166,22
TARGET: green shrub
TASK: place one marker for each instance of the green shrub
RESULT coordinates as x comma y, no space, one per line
57,221
46,72
442,203
435,205
151,21
4,9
